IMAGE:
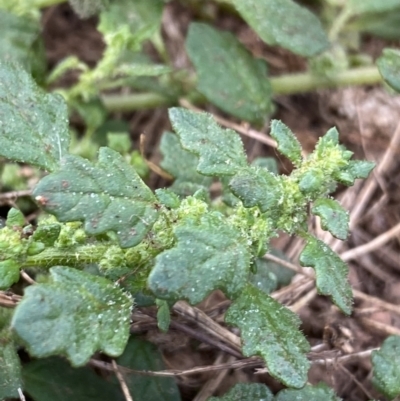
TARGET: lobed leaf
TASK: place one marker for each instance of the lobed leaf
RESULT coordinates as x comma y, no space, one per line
109,196
180,163
355,169
271,331
308,393
334,218
209,255
142,355
330,271
76,314
389,67
54,379
288,145
33,124
386,365
285,24
220,151
257,187
246,392
238,83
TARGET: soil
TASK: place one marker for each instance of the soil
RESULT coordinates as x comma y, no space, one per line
368,121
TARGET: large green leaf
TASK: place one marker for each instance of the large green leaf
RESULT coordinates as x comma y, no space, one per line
271,331
389,67
386,364
220,150
286,24
309,393
75,314
334,218
33,124
107,196
228,74
180,163
330,271
246,392
142,355
54,379
208,255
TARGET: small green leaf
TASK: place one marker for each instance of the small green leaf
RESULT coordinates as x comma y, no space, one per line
15,219
284,23
355,169
271,331
47,234
142,355
268,163
309,393
119,141
220,150
10,368
389,67
209,255
246,392
311,181
53,379
9,273
288,145
257,187
331,273
109,196
372,6
76,314
33,124
386,364
334,218
163,315
180,163
238,83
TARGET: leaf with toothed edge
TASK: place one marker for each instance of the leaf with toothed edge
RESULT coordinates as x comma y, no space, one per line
271,331
288,145
209,255
246,392
76,314
308,393
109,196
330,272
33,124
220,151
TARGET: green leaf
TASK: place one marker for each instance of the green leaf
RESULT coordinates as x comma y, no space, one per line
54,379
372,6
284,23
208,255
163,315
334,218
389,67
33,124
355,169
20,41
15,218
288,145
142,355
309,393
9,273
180,163
109,196
257,187
119,141
271,331
386,364
76,314
87,8
10,368
330,271
246,392
238,83
220,150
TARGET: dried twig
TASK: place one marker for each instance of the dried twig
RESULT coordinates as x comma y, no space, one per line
122,382
8,197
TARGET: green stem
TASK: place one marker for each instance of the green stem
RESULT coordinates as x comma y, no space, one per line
283,85
339,23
